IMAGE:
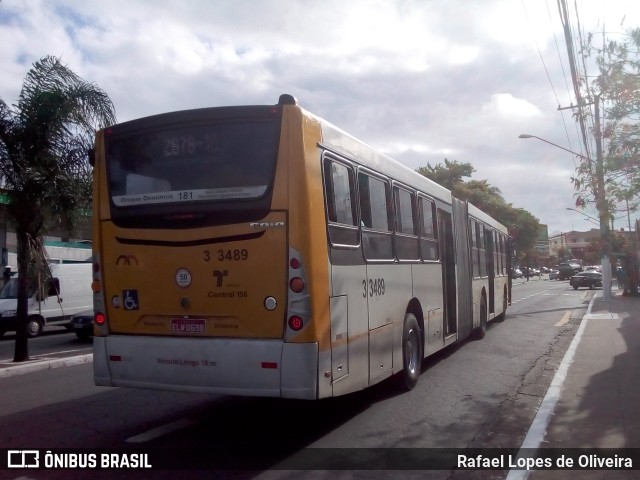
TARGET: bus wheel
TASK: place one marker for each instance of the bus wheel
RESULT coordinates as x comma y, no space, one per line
34,327
411,353
481,331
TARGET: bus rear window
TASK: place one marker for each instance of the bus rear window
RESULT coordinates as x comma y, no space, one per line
190,164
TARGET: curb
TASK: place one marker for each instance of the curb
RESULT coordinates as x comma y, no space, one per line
37,365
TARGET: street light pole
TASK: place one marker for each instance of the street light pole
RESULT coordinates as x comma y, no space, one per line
589,217
601,200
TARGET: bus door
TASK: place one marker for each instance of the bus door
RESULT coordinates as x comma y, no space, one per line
448,273
491,270
348,304
383,281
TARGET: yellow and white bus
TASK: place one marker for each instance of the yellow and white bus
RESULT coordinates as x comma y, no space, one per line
260,250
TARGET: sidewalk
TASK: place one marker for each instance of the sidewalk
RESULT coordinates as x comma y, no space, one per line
42,362
599,401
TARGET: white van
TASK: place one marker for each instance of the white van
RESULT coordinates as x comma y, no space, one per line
65,293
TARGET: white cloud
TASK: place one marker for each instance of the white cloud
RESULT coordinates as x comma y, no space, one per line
421,80
506,105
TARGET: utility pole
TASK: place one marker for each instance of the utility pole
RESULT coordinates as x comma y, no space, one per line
601,203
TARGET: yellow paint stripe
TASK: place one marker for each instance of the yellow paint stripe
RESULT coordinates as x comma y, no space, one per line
565,318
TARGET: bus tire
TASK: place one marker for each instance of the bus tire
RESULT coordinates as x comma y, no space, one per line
411,353
505,305
481,331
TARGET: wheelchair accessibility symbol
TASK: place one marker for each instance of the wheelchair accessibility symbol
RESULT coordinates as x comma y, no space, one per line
130,299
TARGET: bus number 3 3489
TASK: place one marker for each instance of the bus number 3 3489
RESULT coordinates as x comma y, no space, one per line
373,288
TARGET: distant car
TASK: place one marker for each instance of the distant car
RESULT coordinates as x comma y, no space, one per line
567,270
544,270
516,273
590,279
82,324
553,274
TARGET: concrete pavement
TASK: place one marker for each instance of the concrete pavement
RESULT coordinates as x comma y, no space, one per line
597,405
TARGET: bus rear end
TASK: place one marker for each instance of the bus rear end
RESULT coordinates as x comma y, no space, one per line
196,285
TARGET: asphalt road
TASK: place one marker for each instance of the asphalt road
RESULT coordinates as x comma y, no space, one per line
478,394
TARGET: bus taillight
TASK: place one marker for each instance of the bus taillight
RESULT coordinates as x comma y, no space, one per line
296,323
296,284
96,286
100,318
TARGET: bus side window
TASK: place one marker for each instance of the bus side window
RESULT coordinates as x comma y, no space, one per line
407,246
376,214
475,245
482,250
428,230
340,203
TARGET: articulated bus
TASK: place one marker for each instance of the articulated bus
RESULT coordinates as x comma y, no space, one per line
262,251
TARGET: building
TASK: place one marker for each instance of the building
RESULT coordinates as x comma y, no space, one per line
580,245
59,248
542,242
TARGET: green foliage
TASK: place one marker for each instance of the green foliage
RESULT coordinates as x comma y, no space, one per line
448,175
617,88
523,226
44,168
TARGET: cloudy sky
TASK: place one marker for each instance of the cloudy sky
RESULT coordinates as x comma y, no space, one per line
421,80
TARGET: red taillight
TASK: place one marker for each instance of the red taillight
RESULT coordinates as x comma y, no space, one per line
100,318
294,263
295,323
296,284
96,286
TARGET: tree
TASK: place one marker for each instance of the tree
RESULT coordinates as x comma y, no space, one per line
44,168
616,87
522,225
448,175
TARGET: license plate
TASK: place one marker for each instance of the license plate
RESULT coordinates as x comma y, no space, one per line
190,326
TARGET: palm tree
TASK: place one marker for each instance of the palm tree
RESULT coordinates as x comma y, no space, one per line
44,167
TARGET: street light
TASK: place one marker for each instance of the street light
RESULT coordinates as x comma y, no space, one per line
526,135
589,217
602,207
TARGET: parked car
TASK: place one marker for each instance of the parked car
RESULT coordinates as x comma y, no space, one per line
553,274
516,273
82,324
589,278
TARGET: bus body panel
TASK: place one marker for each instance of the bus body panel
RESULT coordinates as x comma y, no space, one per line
349,328
191,283
427,289
235,367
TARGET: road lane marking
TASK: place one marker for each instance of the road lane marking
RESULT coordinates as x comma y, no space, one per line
565,318
161,431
